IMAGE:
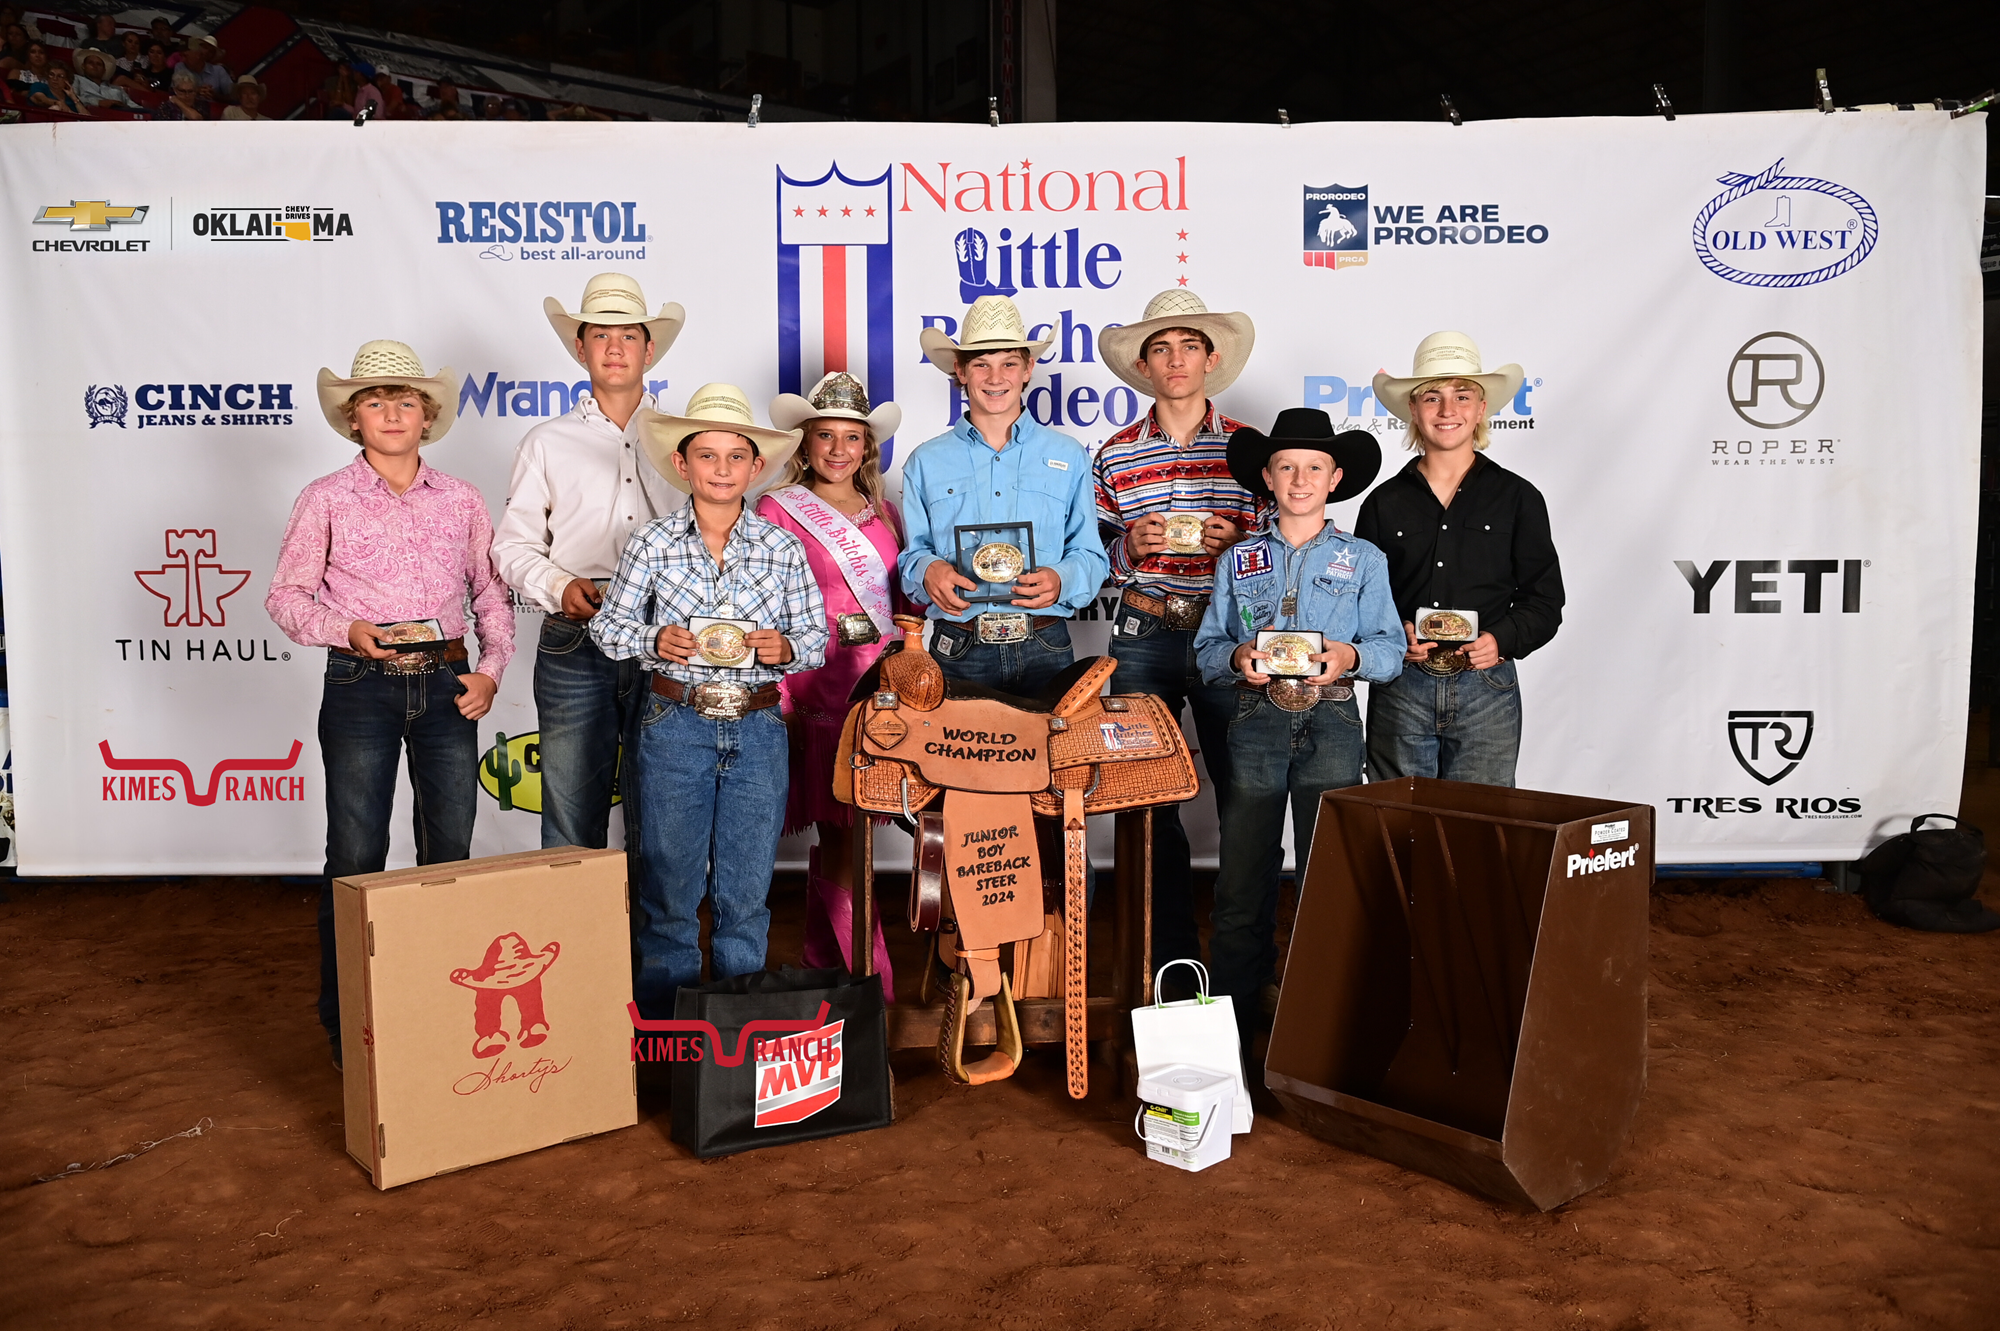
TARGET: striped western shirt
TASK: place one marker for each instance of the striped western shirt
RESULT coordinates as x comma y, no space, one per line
1142,470
666,576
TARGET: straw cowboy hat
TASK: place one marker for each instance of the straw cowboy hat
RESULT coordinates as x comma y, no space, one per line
1355,452
714,407
992,324
615,300
1177,307
1446,355
377,365
837,396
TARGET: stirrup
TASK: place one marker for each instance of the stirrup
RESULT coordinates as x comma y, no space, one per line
1006,1055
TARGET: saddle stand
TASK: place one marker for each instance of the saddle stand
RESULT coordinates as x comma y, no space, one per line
995,789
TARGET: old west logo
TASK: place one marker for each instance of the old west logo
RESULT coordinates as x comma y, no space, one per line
91,215
1769,745
292,222
1772,230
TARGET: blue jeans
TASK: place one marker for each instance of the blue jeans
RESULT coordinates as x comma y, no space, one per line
1023,669
367,722
1276,758
1463,727
588,704
1153,658
712,797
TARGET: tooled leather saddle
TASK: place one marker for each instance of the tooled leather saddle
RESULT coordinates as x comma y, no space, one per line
973,769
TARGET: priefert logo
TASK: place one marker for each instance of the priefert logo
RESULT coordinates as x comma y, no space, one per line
1603,861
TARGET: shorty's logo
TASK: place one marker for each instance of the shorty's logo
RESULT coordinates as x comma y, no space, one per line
1336,230
1776,380
1769,745
190,404
1772,230
153,779
271,225
87,215
105,404
192,583
510,969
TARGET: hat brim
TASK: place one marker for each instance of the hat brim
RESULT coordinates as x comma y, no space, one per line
943,352
1500,386
334,392
1234,335
790,411
662,434
1357,453
663,327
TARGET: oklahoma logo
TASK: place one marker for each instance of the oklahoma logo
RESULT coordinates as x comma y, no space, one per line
1768,230
192,584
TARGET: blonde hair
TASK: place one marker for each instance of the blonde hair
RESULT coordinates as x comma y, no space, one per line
867,476
1414,441
352,406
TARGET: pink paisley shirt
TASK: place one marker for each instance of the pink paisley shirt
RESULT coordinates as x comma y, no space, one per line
355,550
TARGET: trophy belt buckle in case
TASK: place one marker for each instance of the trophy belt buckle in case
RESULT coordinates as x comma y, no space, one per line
1291,651
722,643
1453,631
855,629
1184,533
720,702
999,561
1003,626
1184,612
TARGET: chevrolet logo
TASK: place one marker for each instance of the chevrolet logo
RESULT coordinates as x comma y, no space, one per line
91,214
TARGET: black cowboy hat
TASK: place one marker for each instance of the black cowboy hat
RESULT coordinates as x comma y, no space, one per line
1355,452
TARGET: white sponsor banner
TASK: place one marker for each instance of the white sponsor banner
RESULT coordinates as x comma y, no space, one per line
1751,344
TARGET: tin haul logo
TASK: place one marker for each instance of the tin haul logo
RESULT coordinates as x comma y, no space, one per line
798,1075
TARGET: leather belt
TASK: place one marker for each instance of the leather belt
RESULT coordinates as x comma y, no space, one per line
717,702
1295,695
415,663
1176,611
1006,626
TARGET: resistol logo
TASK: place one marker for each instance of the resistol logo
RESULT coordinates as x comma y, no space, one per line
292,223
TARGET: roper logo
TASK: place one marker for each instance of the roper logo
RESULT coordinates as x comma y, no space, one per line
1336,230
192,584
798,1075
1769,745
231,789
1768,230
1776,380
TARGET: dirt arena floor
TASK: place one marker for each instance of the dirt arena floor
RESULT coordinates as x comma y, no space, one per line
1817,1148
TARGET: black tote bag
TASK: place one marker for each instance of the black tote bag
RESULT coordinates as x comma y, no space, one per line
821,1071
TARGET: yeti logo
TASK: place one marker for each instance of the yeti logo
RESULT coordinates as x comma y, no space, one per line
104,404
1790,735
1336,226
509,968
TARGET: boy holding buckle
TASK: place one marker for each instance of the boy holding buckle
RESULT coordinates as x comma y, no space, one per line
386,551
1293,736
713,760
1167,507
1469,547
581,485
999,465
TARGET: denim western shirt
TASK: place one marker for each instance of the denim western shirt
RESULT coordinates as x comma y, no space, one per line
1342,584
1041,476
667,576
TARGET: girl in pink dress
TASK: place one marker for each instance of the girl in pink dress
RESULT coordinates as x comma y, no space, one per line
831,499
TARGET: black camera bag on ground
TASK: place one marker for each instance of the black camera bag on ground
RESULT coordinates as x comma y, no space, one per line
1926,878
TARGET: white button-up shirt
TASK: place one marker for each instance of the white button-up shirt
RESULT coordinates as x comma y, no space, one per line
580,487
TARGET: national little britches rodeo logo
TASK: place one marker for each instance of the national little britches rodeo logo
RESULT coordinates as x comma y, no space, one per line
1768,230
836,293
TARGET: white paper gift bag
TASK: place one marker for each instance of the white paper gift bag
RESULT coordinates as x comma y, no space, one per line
1199,1032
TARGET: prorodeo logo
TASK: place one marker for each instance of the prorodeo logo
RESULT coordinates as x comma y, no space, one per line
268,225
152,779
1775,380
192,583
190,404
1342,226
1336,234
91,215
1770,745
1768,230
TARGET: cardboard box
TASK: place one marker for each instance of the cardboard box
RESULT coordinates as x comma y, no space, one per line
1466,989
483,1009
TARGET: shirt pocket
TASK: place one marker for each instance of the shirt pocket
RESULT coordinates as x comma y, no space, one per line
762,598
1336,607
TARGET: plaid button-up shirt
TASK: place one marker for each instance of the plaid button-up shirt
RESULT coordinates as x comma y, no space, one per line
667,576
1142,470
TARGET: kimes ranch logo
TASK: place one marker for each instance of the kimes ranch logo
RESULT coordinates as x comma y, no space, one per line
797,1067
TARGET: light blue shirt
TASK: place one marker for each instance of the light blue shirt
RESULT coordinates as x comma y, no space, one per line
1342,584
1041,476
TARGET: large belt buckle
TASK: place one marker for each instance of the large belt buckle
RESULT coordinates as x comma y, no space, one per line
1294,695
856,629
1453,631
411,663
1441,662
720,702
1185,612
1003,626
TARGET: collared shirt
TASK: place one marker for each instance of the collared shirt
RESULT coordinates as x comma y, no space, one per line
1490,552
354,549
1342,586
1039,477
1142,469
667,576
581,486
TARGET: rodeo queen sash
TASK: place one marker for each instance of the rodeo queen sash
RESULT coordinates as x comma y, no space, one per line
859,561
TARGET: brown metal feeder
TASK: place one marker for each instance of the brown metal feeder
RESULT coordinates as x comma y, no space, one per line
1462,996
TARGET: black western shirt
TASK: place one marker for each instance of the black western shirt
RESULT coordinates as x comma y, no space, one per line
1489,552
